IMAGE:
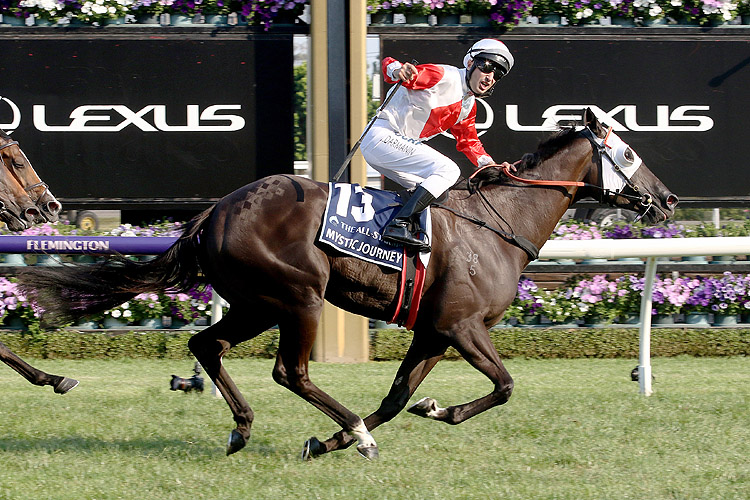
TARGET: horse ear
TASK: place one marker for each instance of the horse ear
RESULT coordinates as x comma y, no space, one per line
592,122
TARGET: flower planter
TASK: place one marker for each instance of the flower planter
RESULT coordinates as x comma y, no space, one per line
724,320
745,19
174,323
11,20
416,19
153,323
180,20
722,259
695,259
147,19
87,324
448,19
745,318
594,322
622,21
480,20
111,323
14,323
655,22
217,19
48,260
550,19
697,319
380,18
84,259
630,319
663,319
14,259
530,320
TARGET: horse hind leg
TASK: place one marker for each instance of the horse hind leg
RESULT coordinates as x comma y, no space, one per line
209,347
33,375
298,333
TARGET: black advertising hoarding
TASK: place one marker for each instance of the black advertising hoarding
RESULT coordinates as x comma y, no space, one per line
150,117
680,100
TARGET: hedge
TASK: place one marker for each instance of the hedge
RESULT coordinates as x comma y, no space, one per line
391,344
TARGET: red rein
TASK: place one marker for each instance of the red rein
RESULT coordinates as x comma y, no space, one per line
507,172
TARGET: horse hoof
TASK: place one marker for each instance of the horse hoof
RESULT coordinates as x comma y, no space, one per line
425,407
65,385
313,448
369,452
236,442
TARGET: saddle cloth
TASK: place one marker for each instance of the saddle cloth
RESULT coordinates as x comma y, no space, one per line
355,218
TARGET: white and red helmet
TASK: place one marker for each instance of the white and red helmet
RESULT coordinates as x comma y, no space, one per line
492,50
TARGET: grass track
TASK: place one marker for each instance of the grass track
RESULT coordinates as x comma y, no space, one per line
574,429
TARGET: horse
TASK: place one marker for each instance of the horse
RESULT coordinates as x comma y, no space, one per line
257,248
18,164
18,210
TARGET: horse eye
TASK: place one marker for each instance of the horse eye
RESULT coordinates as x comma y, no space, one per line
629,155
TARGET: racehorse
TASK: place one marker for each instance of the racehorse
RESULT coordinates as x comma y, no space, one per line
17,210
14,159
257,247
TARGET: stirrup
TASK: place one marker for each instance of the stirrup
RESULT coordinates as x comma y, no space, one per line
405,238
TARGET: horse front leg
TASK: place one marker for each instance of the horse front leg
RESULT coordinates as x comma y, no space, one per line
209,347
33,375
421,357
477,348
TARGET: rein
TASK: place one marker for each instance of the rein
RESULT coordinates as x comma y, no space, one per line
523,243
643,200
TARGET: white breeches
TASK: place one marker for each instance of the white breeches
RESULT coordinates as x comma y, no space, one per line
408,162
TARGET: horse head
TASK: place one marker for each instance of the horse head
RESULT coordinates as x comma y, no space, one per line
18,165
621,178
17,210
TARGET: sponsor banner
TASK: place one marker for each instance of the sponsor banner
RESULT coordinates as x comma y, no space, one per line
85,244
676,101
155,118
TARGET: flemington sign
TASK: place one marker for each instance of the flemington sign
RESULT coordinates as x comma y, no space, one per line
85,244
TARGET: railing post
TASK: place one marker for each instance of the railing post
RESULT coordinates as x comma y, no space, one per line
644,350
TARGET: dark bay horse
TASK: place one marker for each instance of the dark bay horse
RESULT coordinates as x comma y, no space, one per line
257,247
19,166
19,211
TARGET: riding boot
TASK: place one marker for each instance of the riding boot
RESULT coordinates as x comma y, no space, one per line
397,232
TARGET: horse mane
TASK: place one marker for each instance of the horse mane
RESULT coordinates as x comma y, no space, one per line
4,134
546,149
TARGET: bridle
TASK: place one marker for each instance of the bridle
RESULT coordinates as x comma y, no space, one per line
642,200
28,189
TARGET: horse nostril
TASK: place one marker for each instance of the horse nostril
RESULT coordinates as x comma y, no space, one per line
54,207
30,214
672,201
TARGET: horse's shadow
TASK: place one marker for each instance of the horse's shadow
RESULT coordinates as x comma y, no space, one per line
135,447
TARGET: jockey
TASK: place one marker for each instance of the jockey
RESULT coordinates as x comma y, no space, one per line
431,99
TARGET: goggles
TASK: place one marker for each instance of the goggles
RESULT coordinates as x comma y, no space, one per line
487,66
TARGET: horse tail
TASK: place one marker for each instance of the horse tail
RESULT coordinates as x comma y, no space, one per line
70,292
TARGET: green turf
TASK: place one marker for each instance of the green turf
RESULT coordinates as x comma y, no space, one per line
574,429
